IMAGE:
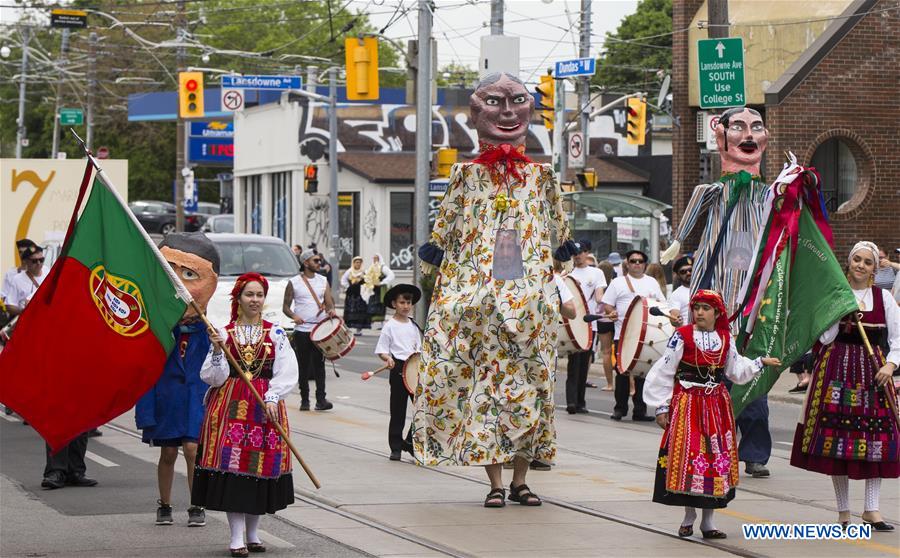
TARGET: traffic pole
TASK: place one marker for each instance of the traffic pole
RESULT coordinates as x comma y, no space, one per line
333,180
423,140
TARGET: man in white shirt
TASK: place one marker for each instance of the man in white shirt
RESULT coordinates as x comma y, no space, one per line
615,301
593,283
680,299
21,245
308,301
25,283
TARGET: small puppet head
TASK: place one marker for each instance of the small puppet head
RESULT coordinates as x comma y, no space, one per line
195,260
741,137
501,109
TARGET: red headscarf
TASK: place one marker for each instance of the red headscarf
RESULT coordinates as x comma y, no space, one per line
714,299
239,288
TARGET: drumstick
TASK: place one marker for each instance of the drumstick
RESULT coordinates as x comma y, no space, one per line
370,373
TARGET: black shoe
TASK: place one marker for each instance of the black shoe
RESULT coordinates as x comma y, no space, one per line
54,481
582,410
539,466
395,455
590,384
571,409
163,514
324,405
880,526
642,418
798,389
304,406
80,480
616,416
94,433
757,470
7,410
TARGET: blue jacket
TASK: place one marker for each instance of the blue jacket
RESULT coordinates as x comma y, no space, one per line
173,408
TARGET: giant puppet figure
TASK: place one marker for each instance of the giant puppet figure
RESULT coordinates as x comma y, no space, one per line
170,414
485,393
735,206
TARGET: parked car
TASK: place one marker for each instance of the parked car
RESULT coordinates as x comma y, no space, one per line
209,208
267,255
219,224
159,217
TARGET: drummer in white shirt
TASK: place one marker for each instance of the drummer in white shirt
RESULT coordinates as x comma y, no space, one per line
593,283
615,301
680,299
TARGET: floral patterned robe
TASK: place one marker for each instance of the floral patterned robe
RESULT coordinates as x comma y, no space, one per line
489,355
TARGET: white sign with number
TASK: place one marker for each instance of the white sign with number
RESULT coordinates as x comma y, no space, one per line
232,99
576,150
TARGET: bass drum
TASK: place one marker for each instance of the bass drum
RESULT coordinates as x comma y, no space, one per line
575,335
643,338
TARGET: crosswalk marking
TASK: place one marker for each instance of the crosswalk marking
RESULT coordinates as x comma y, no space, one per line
100,460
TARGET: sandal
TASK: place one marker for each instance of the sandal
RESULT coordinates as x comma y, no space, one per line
523,495
239,552
256,547
685,531
799,388
496,498
714,534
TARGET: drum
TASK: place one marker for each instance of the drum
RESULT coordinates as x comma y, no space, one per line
333,338
575,335
411,373
643,337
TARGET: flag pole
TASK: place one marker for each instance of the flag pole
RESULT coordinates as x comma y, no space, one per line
889,393
185,296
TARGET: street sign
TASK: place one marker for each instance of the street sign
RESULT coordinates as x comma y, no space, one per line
721,72
103,153
232,99
72,19
191,193
577,67
261,82
576,150
71,117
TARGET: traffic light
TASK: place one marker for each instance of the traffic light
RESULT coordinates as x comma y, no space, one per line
362,68
636,116
547,90
311,179
190,94
446,158
587,179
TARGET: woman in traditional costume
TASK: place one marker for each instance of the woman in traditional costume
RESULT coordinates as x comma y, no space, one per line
355,313
243,465
849,427
376,281
698,461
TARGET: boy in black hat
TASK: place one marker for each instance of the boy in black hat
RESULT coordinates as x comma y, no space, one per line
400,338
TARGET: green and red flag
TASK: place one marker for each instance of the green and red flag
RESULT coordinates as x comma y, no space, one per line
98,331
801,289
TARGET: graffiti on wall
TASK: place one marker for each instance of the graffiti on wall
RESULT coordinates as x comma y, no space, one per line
317,221
403,259
370,225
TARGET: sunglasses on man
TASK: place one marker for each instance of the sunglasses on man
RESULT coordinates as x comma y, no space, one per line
685,270
636,261
36,260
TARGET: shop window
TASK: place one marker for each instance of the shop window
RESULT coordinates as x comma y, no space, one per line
348,227
838,166
402,248
253,204
281,205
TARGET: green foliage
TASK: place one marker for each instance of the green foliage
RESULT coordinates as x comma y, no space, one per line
454,74
631,62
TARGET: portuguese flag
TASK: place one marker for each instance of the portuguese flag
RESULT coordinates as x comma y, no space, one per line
97,332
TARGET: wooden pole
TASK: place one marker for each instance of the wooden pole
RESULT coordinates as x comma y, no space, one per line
246,378
889,392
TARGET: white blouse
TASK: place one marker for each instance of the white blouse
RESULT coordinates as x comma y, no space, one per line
661,379
284,370
891,318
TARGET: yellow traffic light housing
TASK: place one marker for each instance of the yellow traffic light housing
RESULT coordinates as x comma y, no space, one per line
311,179
362,68
446,158
547,90
190,95
587,179
636,128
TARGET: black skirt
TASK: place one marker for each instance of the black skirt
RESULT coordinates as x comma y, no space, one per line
228,492
663,496
355,309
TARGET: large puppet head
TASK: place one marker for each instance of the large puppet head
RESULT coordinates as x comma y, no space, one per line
195,260
741,137
501,109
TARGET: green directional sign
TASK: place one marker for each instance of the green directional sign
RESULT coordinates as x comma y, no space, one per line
721,72
71,117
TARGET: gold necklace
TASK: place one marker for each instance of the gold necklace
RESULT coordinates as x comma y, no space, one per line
247,348
859,299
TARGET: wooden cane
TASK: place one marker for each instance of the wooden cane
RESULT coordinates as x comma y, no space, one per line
369,374
243,375
889,392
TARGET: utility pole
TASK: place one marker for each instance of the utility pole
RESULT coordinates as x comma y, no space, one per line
312,78
20,122
496,17
423,138
92,84
180,136
717,14
584,85
64,46
560,163
333,179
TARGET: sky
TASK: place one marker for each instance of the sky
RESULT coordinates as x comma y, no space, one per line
548,29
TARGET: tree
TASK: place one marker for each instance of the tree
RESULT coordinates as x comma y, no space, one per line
639,52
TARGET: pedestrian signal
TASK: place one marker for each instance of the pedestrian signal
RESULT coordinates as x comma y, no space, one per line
547,90
636,128
190,95
362,68
311,179
446,158
587,179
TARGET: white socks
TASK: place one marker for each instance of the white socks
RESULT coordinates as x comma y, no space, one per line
237,523
842,492
873,492
252,524
690,515
706,523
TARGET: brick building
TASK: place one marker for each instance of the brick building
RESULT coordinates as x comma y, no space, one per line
836,105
